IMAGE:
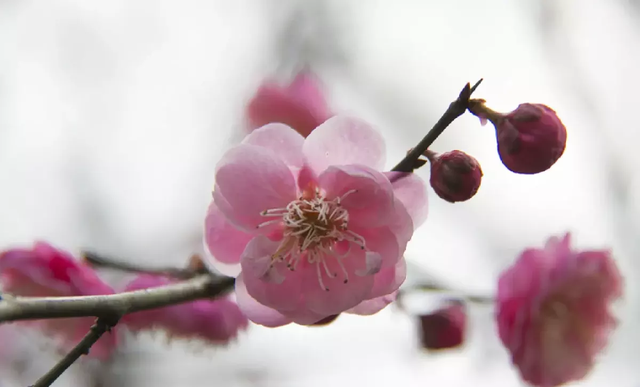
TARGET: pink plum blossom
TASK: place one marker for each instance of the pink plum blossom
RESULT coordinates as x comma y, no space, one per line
316,228
300,104
44,271
444,328
553,311
214,321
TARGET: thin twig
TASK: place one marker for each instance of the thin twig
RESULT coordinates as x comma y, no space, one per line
114,305
98,329
100,261
456,109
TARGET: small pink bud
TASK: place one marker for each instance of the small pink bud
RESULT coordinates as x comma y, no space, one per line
530,139
444,328
455,176
300,105
553,311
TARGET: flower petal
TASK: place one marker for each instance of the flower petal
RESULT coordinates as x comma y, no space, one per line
270,284
373,306
369,195
252,179
344,140
389,279
383,242
411,190
304,316
341,295
285,142
254,310
224,241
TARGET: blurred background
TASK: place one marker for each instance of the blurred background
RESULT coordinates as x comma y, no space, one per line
114,113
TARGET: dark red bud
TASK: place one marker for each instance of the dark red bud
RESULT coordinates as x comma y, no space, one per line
445,328
455,176
530,139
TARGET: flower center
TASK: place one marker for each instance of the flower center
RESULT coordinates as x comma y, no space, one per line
313,228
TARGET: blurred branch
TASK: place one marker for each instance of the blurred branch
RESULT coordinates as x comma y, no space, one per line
100,261
456,109
114,306
101,326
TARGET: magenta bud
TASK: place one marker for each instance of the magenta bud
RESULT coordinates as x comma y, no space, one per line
530,139
455,176
445,328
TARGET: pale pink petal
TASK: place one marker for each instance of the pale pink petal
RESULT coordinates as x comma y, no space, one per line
304,317
224,241
255,311
343,141
285,142
252,179
373,306
340,295
367,194
272,285
411,190
389,279
383,242
373,264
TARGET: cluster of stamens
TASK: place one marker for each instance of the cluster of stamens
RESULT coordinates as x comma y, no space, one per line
312,228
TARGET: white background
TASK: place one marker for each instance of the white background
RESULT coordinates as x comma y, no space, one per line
113,114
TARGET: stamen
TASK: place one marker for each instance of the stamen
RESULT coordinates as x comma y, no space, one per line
320,277
312,227
265,224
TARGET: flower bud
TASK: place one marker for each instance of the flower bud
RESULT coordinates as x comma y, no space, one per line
530,139
445,328
455,176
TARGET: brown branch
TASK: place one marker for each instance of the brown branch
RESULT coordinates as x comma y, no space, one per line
457,108
98,329
100,261
114,305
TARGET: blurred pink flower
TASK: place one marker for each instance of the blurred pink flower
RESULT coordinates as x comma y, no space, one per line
553,311
215,321
7,343
316,228
445,328
44,271
300,105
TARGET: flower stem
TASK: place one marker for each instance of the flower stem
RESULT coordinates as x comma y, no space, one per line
457,108
102,326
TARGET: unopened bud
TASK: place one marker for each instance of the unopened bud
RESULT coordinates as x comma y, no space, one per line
445,328
530,139
455,176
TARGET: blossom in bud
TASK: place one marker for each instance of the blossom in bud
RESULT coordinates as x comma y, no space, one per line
553,311
316,227
213,321
300,105
44,271
445,328
530,139
455,176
